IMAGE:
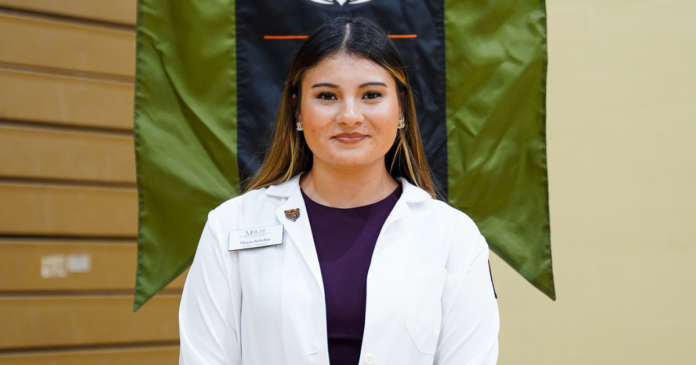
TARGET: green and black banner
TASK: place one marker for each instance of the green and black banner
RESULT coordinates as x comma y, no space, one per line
210,75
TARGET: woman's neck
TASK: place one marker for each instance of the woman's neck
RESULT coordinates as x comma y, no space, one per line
347,188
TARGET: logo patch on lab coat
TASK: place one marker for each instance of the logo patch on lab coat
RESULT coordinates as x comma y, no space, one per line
292,214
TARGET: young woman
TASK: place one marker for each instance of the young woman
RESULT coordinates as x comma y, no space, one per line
338,252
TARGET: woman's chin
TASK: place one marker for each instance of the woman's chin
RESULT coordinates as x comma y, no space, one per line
351,162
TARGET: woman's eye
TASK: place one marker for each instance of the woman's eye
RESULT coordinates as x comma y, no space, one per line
326,96
372,95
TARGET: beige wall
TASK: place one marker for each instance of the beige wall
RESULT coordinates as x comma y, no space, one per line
622,171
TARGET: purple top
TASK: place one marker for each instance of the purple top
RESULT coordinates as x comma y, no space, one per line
344,240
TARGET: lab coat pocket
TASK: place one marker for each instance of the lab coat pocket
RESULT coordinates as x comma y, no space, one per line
425,285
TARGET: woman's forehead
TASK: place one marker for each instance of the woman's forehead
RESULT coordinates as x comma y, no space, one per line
346,69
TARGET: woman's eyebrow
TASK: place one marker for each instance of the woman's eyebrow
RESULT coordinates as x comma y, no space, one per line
377,83
372,83
324,84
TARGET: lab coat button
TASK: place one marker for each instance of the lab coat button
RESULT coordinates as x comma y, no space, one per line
369,359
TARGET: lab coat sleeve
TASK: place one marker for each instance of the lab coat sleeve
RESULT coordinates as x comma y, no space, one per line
211,302
469,333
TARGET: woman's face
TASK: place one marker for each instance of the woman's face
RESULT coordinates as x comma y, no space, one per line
349,111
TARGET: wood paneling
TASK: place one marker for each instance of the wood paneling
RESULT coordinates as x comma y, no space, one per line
86,320
164,355
34,209
61,296
52,265
116,11
38,97
66,155
59,44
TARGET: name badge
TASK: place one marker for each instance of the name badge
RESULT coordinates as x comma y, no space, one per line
256,237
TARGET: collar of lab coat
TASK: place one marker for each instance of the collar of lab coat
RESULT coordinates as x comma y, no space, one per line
410,193
301,232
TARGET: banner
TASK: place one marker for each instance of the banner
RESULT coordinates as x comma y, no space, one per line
209,78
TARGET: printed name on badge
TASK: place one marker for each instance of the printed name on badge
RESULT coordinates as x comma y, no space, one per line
256,237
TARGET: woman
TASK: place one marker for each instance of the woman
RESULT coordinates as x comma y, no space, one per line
338,252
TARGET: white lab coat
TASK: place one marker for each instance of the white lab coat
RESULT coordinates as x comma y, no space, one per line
430,298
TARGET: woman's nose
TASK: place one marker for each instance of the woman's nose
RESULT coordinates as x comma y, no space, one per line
350,113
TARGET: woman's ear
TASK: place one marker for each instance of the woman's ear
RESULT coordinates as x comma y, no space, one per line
295,104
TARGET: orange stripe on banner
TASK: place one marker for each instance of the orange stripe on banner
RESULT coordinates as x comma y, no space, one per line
285,37
393,36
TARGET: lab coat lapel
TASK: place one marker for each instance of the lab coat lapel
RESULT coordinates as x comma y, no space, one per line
303,305
299,230
409,194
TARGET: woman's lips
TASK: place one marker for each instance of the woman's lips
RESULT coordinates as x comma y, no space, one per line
350,137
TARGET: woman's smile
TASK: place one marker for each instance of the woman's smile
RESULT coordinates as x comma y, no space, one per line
351,138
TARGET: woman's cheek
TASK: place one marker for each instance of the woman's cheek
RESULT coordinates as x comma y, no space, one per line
385,132
317,139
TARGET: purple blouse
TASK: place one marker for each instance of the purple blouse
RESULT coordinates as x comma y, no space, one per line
344,240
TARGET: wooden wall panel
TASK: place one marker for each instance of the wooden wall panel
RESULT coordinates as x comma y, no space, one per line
35,209
28,152
50,265
61,296
86,320
164,355
38,97
66,265
59,44
116,11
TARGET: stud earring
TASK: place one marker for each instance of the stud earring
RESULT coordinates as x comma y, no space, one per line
401,123
298,125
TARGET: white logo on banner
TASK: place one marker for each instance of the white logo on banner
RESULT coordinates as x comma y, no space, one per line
340,2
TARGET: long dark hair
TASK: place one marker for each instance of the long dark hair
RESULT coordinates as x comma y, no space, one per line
289,154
